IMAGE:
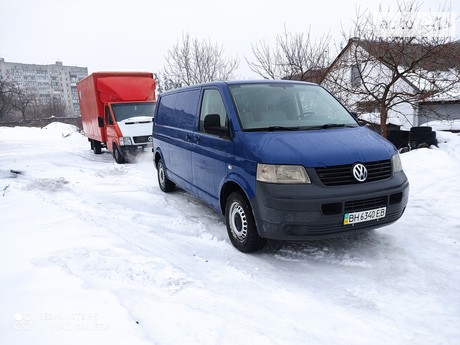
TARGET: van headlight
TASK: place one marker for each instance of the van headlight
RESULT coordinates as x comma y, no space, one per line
283,174
396,163
125,141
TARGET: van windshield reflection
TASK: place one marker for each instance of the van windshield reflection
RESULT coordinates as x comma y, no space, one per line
288,106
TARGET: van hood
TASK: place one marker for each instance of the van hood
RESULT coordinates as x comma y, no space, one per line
136,126
317,148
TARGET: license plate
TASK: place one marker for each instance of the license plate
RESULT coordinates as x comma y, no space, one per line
364,216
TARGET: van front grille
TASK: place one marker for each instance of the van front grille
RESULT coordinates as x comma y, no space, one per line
367,204
142,139
343,174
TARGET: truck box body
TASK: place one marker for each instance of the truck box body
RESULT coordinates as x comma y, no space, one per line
100,93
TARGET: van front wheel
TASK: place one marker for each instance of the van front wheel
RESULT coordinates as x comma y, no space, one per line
241,226
119,158
165,184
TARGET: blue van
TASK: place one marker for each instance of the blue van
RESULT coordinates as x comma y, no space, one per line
279,159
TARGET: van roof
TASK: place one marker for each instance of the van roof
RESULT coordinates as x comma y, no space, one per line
238,82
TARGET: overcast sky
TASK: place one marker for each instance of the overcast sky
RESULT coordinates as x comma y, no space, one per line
125,35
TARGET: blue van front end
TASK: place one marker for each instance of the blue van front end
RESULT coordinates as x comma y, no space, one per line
333,202
315,211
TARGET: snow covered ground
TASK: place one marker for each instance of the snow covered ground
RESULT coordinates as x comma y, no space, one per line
93,252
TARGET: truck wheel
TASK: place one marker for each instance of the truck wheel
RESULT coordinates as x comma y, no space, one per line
96,146
119,158
166,185
241,226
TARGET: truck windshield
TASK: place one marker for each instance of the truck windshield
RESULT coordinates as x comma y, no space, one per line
288,106
124,111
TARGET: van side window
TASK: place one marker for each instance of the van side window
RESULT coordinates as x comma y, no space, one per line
166,111
213,104
108,117
186,109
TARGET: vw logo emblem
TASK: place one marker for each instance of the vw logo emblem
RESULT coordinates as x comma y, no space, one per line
150,138
360,172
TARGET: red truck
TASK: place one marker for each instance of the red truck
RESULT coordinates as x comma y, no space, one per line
117,112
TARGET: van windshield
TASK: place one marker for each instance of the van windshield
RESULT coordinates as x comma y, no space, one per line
124,111
288,106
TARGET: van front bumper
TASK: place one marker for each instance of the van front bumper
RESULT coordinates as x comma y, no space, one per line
135,149
308,212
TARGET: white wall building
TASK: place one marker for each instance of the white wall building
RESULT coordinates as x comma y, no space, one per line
364,71
47,81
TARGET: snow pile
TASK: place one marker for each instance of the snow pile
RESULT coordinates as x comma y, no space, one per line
93,252
444,125
62,129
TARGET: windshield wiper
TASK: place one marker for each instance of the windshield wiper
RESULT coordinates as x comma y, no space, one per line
273,129
332,125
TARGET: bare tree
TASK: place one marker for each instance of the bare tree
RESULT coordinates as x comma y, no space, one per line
15,102
51,107
192,62
295,56
6,102
396,63
20,105
21,100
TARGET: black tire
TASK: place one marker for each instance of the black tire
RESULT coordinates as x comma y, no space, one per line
420,140
166,185
241,226
423,146
421,129
398,134
404,149
119,158
398,138
96,146
427,136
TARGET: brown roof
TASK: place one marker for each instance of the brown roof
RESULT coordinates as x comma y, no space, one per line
439,57
314,75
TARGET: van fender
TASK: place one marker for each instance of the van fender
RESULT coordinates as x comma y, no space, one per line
157,155
113,133
235,182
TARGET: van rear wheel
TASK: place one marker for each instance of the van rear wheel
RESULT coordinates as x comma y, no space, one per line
96,146
241,226
165,184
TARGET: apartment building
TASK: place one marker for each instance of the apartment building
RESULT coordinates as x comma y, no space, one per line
47,82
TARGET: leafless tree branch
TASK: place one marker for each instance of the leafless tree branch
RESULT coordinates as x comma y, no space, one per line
191,61
294,56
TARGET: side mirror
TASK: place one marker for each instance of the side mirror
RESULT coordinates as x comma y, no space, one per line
100,121
212,125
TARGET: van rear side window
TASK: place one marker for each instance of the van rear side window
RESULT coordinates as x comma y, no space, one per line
179,110
166,110
186,107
